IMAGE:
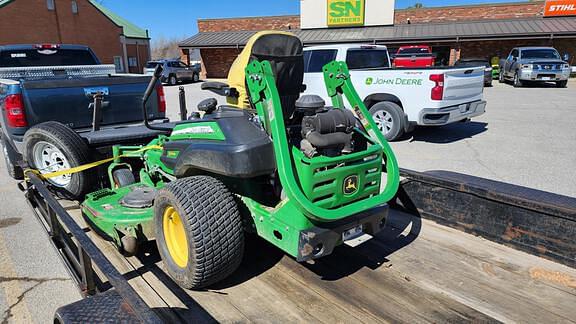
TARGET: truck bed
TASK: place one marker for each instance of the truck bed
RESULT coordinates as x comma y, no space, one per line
414,271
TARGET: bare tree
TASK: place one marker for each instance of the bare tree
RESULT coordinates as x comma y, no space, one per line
417,5
165,48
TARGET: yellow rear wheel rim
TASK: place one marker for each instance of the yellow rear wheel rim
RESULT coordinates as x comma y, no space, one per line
175,236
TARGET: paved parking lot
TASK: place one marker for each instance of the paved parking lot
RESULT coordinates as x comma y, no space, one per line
527,137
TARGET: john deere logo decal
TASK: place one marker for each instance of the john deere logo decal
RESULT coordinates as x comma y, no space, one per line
350,185
369,81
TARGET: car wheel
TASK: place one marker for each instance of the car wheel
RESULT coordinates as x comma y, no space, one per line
51,147
388,118
199,231
501,77
517,82
11,158
172,80
562,84
195,77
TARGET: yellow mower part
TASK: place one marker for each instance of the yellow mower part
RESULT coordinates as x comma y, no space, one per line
175,236
237,73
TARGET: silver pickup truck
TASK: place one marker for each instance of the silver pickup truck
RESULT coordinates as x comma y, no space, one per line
535,64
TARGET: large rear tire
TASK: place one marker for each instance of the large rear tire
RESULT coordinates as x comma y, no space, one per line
389,119
51,147
11,157
199,231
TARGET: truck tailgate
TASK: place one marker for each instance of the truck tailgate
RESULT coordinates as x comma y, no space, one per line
463,84
68,100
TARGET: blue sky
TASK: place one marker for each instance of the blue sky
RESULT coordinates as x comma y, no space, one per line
177,19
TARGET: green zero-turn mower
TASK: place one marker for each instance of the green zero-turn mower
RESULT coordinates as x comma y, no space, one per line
304,176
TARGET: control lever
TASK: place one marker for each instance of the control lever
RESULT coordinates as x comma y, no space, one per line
182,97
97,114
155,77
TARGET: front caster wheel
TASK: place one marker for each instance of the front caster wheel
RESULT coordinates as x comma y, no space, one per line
129,245
199,231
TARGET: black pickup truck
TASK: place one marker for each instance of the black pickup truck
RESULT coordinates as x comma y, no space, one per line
48,95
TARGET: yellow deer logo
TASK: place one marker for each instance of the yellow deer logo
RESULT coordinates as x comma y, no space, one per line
350,184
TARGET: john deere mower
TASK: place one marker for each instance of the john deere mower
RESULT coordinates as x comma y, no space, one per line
303,175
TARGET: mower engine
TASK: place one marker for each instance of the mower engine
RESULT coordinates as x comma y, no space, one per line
325,130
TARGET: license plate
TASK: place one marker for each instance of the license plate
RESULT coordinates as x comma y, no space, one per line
355,236
352,233
545,78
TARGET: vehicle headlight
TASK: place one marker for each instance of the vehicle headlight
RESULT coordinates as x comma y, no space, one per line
488,69
527,66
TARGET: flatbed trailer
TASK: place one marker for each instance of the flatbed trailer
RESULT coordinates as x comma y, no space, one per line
423,267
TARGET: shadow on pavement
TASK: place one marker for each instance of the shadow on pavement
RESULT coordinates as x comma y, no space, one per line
531,84
447,134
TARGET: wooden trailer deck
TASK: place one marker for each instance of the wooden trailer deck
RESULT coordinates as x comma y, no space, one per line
414,271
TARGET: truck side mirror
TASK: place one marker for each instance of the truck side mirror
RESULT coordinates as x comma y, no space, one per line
566,57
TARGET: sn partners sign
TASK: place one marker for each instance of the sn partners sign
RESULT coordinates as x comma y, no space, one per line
345,13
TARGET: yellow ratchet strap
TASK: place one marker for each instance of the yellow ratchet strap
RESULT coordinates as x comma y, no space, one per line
89,165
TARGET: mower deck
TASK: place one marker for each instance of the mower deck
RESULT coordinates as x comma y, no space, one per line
413,271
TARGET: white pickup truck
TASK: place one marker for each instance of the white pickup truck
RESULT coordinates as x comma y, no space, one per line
400,99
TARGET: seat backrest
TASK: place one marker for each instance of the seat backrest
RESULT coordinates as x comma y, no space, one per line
284,52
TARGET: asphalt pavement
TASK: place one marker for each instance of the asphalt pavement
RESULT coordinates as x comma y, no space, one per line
527,137
33,280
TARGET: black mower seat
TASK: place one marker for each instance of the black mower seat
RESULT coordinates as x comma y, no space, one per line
138,134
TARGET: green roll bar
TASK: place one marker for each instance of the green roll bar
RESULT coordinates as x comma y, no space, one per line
264,95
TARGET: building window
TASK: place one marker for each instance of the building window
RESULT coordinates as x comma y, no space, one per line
50,4
118,63
74,7
132,61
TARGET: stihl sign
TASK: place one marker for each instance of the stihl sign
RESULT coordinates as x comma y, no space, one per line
555,8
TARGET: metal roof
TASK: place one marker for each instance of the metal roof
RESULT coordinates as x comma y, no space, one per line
452,31
4,2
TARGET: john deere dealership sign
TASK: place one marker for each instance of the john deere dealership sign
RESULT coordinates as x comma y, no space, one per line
345,13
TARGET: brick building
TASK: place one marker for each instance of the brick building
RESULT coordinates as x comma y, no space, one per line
485,30
84,22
